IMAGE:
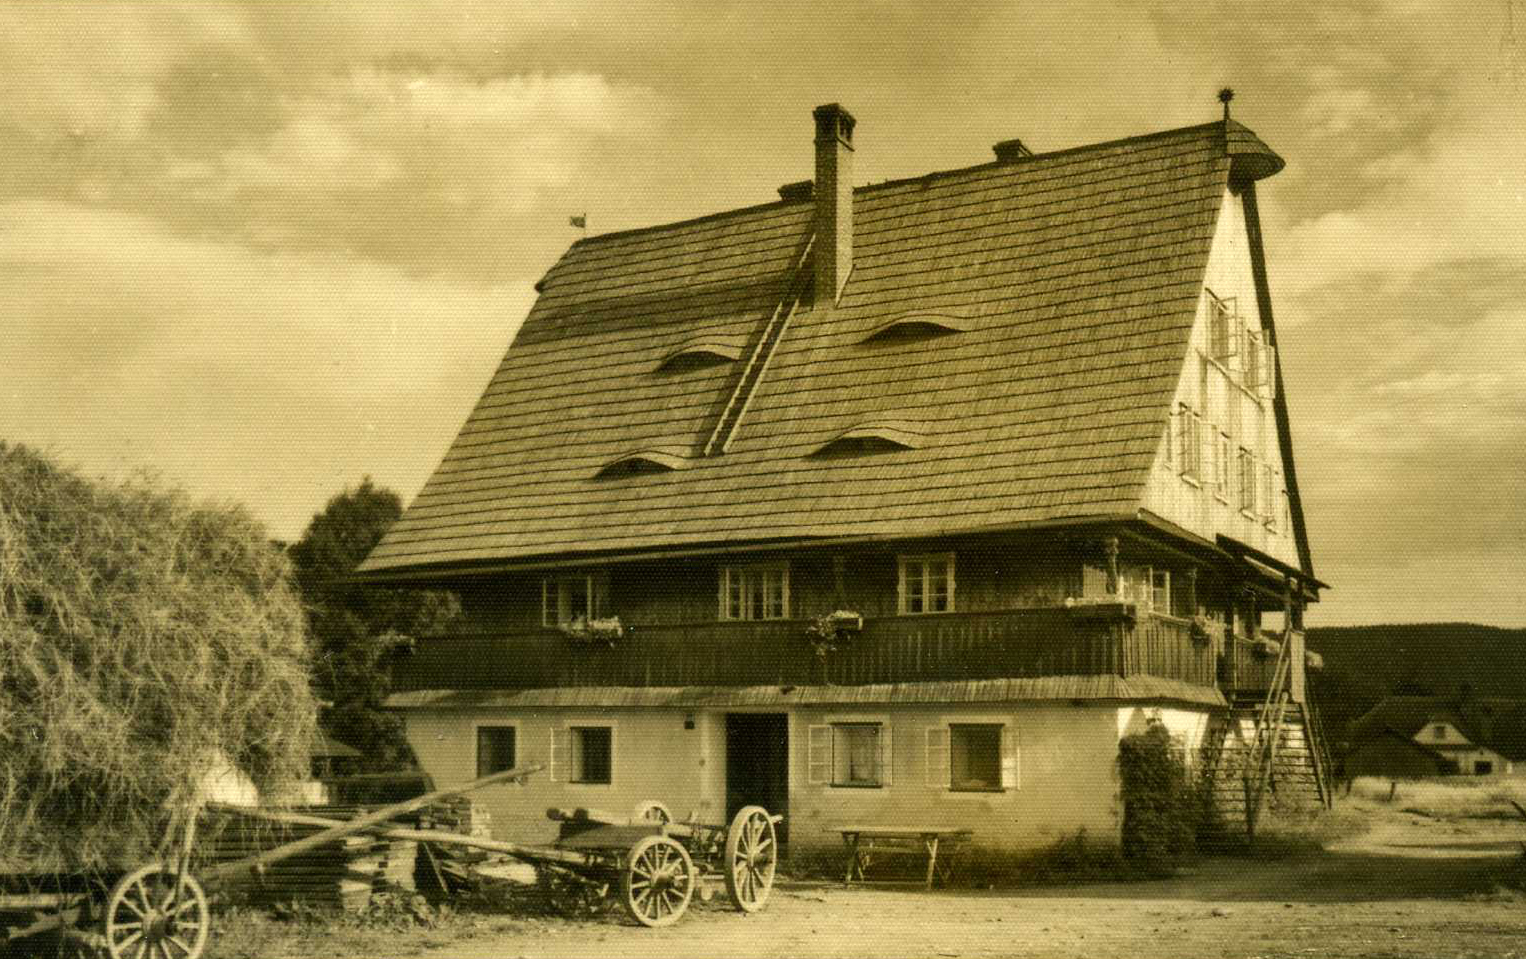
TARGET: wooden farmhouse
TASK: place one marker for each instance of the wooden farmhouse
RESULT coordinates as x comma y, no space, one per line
893,504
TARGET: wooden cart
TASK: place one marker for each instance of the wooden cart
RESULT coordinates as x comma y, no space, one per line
159,910
658,866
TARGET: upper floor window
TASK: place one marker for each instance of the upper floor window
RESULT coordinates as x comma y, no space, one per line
1222,465
1247,470
1189,443
1440,732
926,583
1269,484
1223,328
568,599
758,591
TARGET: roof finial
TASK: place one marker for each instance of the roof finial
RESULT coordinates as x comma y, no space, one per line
1226,95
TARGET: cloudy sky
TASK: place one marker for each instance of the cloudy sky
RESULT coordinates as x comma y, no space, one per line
267,249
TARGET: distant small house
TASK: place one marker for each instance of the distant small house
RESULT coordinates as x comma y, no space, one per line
1469,737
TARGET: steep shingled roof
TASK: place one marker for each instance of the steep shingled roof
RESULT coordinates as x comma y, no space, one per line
1076,273
1493,722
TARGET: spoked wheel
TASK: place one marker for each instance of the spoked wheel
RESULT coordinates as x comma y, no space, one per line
157,913
752,852
651,810
658,881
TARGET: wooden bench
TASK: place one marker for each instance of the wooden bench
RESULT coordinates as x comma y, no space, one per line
863,843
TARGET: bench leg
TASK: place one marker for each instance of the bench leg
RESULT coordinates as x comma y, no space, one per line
855,864
932,859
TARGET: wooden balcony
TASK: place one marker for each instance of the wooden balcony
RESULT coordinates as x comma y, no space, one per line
1092,640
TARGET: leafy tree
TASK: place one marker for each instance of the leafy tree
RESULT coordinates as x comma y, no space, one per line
357,630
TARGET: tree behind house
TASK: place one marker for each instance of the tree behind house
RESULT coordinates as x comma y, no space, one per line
357,631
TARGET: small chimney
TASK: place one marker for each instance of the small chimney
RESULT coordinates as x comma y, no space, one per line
1010,151
833,248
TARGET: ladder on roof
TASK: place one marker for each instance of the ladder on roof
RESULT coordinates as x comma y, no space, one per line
762,355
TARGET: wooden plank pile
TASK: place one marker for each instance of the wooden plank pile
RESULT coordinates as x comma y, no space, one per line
343,874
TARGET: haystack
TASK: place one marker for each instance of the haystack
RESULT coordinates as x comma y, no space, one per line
140,633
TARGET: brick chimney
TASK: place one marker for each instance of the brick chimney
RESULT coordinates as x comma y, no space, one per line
833,248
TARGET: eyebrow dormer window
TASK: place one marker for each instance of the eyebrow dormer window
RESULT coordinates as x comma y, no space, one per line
703,351
636,462
871,437
917,326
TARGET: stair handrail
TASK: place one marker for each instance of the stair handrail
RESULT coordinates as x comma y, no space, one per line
1319,752
720,437
1257,770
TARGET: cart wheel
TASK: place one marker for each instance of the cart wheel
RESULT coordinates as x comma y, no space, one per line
653,811
752,852
658,881
156,912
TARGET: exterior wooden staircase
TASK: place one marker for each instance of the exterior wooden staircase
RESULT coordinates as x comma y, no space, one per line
762,355
1268,751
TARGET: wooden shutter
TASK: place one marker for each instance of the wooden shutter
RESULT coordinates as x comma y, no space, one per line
937,757
1009,768
887,755
559,765
819,755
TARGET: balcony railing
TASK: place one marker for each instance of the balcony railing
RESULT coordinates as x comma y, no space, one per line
1094,640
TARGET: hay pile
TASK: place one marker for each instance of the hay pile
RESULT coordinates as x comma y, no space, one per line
140,633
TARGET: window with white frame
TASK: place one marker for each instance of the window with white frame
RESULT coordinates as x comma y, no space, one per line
854,754
972,757
583,754
1268,502
1160,590
495,749
1223,465
1189,443
570,599
1247,471
1223,328
758,591
1255,358
926,583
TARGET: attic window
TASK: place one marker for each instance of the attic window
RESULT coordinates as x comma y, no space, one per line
919,325
703,351
637,462
879,436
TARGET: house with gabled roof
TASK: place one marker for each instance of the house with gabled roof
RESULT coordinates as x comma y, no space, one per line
897,503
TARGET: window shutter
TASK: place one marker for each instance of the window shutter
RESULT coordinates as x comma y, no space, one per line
559,765
937,757
1008,757
887,755
819,755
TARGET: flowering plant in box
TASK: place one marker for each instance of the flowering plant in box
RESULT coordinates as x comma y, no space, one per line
830,632
594,632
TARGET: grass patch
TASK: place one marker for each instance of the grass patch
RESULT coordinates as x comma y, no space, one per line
1281,834
1451,798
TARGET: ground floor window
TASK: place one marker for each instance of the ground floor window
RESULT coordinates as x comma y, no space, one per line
852,754
495,749
592,754
972,757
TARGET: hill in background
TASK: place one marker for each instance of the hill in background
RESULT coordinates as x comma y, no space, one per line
1363,664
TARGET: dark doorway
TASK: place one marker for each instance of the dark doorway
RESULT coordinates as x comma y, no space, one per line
757,764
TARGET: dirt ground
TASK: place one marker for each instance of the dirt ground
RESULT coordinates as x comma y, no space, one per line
1411,886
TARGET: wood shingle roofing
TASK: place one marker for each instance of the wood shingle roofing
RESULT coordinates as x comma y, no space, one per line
1075,278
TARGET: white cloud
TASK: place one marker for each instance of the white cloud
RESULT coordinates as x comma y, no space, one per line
273,377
